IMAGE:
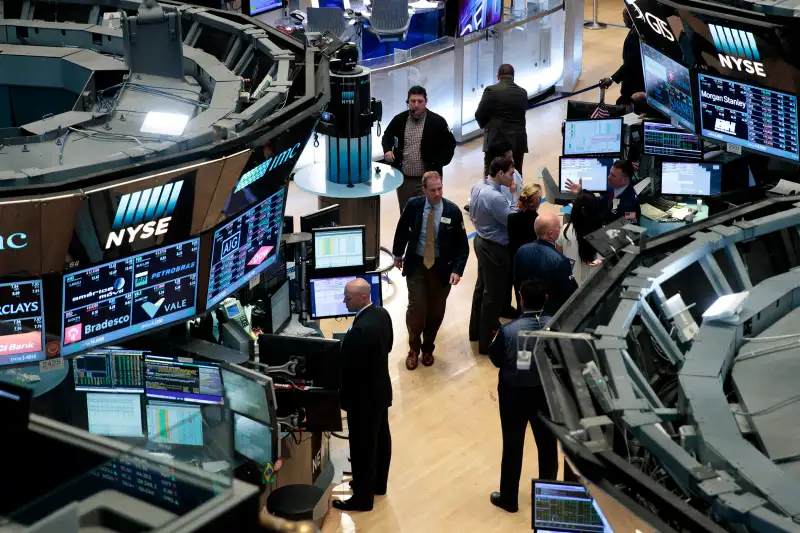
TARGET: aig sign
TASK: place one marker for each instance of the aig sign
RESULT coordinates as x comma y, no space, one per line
656,24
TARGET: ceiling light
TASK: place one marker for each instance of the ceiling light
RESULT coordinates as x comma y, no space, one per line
164,123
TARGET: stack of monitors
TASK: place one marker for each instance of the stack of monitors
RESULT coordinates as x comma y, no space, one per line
251,397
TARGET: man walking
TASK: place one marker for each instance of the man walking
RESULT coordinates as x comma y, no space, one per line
416,141
430,245
501,113
522,398
489,211
366,395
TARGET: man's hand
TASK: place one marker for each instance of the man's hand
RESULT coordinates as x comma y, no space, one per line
389,157
605,83
574,187
596,263
513,186
398,263
454,279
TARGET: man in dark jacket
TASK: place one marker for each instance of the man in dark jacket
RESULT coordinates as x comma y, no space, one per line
630,74
366,395
620,200
416,141
540,260
430,245
522,398
501,113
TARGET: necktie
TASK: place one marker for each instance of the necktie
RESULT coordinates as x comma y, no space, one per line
611,198
429,257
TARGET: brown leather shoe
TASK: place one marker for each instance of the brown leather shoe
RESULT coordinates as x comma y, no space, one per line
427,358
412,361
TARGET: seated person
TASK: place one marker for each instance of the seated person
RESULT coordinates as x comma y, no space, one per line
620,200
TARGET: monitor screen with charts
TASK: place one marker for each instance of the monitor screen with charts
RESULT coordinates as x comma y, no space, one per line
327,295
339,247
591,172
671,141
21,322
253,439
559,506
174,423
691,179
247,392
668,86
182,380
112,369
114,415
593,137
759,119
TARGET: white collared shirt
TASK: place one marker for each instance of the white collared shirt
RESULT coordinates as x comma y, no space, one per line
618,192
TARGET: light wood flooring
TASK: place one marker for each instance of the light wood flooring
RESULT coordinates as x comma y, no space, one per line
444,419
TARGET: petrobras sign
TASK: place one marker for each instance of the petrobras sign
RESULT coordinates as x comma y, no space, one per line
737,50
143,214
641,13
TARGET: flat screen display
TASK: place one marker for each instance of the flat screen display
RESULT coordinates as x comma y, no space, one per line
327,295
593,137
668,86
252,439
114,300
246,395
591,172
691,179
245,246
559,506
763,120
21,322
338,247
174,423
106,370
671,141
114,415
262,6
182,379
476,15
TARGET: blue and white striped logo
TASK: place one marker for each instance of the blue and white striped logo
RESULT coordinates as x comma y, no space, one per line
146,205
734,42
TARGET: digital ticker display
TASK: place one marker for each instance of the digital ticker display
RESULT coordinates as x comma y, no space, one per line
245,246
128,296
21,322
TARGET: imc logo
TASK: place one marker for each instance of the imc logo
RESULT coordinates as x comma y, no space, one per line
252,176
737,50
143,214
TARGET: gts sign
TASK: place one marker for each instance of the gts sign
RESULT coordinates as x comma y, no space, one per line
656,24
144,214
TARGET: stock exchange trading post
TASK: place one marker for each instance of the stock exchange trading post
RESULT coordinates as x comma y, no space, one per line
764,120
121,298
21,322
244,247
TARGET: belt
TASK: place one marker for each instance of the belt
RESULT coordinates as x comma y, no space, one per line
489,241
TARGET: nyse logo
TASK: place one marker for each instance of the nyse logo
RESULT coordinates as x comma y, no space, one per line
656,24
143,214
737,49
725,126
14,241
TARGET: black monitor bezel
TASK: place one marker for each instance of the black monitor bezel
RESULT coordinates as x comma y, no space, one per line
309,218
561,158
347,315
618,153
667,123
344,270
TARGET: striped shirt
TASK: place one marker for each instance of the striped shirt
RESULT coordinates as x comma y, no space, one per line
412,154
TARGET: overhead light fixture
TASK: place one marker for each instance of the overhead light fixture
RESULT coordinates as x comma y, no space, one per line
727,307
164,123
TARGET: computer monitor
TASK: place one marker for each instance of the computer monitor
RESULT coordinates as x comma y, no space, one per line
182,379
339,247
763,120
668,86
327,295
114,415
691,179
593,137
561,506
254,440
113,300
245,246
174,423
670,141
114,369
21,322
324,218
339,4
319,358
256,7
280,308
591,172
249,393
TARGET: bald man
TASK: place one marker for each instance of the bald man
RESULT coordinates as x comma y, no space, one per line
540,260
366,395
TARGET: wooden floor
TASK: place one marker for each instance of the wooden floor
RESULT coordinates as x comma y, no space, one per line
444,419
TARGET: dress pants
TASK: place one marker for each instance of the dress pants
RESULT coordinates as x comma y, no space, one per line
494,269
411,186
370,452
518,156
518,407
427,301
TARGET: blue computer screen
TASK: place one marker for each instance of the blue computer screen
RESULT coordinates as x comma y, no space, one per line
21,322
764,120
262,6
245,246
121,298
691,179
327,295
182,379
252,439
668,86
173,423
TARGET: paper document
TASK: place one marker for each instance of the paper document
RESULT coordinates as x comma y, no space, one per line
786,187
679,213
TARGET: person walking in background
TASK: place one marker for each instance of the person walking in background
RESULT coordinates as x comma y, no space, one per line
431,247
629,75
572,243
416,141
501,113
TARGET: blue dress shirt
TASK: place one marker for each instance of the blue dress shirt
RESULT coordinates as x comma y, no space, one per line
488,210
437,216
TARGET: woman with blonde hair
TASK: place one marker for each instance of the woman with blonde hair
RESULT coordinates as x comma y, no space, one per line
520,226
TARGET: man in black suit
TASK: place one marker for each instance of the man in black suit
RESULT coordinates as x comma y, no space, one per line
501,113
430,245
416,141
366,395
630,74
620,200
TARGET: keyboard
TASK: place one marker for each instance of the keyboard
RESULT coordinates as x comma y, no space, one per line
653,213
662,203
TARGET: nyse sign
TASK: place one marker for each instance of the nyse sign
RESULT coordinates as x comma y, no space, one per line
656,24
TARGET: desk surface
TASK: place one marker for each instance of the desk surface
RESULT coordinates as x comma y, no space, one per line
314,179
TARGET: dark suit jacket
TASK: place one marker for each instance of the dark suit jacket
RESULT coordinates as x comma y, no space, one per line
453,244
629,75
502,114
437,146
365,361
628,203
520,230
540,260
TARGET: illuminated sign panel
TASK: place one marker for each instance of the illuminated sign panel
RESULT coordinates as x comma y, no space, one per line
143,214
21,322
737,50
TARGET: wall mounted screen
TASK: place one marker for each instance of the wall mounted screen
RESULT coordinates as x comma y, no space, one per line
21,322
476,15
668,86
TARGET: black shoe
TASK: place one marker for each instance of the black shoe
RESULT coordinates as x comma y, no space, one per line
351,505
474,338
497,501
380,492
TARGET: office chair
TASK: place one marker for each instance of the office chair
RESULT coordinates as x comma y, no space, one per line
322,19
389,20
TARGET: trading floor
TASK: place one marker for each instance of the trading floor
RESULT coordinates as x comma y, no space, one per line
444,418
